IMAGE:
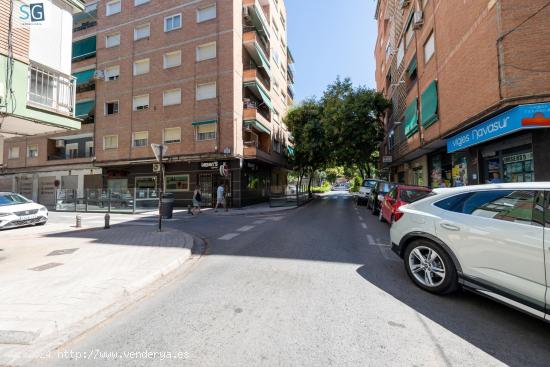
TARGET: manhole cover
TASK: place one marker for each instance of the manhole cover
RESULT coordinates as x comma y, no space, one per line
62,252
46,266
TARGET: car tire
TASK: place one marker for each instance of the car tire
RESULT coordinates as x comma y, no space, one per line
437,275
381,216
373,208
40,224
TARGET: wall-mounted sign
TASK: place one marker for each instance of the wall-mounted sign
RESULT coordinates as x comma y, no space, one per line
387,159
224,169
210,165
517,158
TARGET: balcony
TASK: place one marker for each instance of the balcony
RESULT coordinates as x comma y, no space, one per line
257,48
85,111
51,90
79,146
84,49
251,115
85,80
84,20
255,16
290,75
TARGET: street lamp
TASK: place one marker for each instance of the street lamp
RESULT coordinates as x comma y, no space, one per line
159,150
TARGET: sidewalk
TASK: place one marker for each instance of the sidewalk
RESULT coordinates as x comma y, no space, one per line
54,284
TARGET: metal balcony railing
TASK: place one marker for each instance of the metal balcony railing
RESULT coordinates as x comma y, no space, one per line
51,90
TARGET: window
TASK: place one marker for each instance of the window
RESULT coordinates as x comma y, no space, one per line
112,7
172,135
177,183
112,72
142,31
509,205
89,146
429,48
141,102
140,2
409,33
207,13
276,56
172,59
207,51
172,22
141,67
400,52
112,40
111,108
276,117
171,97
206,91
140,139
13,153
32,151
206,132
71,150
110,142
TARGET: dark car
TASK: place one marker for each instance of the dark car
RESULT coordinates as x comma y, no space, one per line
377,195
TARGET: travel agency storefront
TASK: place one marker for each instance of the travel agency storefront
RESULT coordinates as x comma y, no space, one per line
513,146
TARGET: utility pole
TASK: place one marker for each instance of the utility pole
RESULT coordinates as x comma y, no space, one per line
160,150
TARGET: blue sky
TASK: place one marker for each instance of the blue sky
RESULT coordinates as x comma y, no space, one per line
330,38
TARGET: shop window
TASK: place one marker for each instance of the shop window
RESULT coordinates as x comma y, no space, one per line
175,183
518,167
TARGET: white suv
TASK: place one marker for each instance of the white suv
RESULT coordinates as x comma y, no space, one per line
491,239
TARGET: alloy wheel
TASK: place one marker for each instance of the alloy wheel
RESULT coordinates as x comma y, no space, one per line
427,266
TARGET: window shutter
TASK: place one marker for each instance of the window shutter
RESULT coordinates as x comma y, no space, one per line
172,135
141,102
172,59
172,97
112,40
205,52
141,67
429,105
206,91
206,13
411,119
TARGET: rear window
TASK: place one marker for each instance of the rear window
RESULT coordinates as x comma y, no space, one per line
410,196
386,187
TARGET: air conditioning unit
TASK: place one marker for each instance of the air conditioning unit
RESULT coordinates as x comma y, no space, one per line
404,3
99,74
418,19
60,143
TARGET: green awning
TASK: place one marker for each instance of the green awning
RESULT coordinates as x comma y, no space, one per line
429,105
411,119
197,123
258,125
263,57
84,77
83,109
85,47
257,19
290,150
412,66
265,96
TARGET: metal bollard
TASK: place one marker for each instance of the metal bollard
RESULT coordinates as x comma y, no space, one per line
107,220
189,209
78,221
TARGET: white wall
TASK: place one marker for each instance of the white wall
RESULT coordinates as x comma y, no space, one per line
51,41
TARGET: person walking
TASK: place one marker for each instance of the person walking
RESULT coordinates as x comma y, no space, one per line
220,197
197,199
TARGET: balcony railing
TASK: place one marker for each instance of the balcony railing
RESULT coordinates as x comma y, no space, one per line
85,25
51,90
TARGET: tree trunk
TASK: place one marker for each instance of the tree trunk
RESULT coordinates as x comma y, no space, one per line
310,194
368,170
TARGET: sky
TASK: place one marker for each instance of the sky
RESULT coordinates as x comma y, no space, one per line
329,38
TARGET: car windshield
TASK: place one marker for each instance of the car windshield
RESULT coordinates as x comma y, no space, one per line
369,183
411,195
12,199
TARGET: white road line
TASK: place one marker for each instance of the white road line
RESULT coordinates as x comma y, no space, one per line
275,219
245,228
360,218
370,239
364,225
228,236
259,222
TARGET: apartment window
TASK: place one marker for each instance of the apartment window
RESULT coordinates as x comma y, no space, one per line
71,150
111,108
171,97
141,102
207,51
172,135
140,139
112,72
276,116
112,40
429,48
206,132
276,57
400,52
140,2
32,151
206,13
113,7
206,91
110,142
89,145
172,59
172,22
141,67
13,153
142,31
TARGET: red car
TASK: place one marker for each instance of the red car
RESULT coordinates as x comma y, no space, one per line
400,195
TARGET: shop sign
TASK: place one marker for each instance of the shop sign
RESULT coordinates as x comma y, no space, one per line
518,158
387,159
521,117
210,165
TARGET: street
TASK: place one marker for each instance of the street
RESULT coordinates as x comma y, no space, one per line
313,286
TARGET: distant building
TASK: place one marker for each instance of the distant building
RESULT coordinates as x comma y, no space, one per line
469,84
209,79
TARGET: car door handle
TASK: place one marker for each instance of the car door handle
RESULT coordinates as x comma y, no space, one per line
449,226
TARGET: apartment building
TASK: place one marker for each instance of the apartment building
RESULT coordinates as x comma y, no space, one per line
469,85
37,91
209,79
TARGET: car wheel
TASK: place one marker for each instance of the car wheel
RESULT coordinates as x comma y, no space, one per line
430,267
381,216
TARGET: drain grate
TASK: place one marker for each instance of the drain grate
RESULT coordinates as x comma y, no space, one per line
46,266
62,252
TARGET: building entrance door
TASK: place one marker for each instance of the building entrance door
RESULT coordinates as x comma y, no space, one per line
205,183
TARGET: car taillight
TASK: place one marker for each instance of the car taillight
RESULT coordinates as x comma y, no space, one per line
398,215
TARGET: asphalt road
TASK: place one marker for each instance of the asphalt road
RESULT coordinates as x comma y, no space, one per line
315,286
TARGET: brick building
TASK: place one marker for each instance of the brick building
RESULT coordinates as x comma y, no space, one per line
469,83
210,79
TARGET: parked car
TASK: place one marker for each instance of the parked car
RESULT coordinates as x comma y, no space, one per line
118,200
377,195
400,195
18,211
490,239
365,190
340,187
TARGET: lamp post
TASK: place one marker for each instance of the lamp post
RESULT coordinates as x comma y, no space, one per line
159,150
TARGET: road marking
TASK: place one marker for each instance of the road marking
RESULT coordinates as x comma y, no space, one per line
370,239
275,219
228,236
360,218
259,222
364,225
245,228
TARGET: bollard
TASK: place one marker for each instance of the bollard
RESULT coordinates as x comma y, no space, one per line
78,221
107,220
189,209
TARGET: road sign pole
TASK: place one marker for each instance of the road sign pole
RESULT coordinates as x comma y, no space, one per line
160,188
